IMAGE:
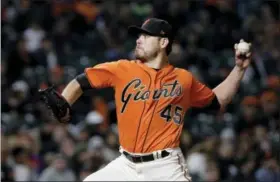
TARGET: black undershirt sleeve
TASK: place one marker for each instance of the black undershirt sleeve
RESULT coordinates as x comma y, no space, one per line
213,107
83,81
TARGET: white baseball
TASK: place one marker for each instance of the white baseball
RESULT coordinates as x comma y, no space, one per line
243,47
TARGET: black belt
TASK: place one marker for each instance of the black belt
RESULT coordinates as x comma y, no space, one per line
144,158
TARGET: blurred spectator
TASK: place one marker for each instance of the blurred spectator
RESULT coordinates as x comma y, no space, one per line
273,82
7,173
110,151
196,164
212,173
269,171
88,9
100,105
18,59
249,116
225,161
21,168
33,36
46,55
46,138
58,171
246,171
270,105
23,15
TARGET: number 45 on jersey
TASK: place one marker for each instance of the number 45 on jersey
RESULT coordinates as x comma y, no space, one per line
172,112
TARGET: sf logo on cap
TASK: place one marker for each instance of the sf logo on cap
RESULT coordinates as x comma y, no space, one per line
146,21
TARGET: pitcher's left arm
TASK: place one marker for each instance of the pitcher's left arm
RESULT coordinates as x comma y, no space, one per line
226,90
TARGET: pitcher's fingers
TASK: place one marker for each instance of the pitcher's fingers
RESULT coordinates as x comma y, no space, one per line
235,46
237,53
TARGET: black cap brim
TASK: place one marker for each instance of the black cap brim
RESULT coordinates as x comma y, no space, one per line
135,31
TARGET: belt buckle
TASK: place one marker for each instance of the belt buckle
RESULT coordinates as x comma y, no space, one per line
135,159
138,157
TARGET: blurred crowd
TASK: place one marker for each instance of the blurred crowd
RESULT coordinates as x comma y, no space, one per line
46,43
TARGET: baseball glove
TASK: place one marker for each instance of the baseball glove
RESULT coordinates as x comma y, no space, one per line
59,107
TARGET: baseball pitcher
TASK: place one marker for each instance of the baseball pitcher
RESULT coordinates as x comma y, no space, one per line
152,98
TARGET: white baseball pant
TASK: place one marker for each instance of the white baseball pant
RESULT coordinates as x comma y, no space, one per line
170,168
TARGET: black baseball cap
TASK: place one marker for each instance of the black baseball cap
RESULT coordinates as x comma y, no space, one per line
154,27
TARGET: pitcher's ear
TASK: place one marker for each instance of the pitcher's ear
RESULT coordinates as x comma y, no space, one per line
164,42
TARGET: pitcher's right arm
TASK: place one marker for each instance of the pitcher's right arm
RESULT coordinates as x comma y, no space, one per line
75,88
100,76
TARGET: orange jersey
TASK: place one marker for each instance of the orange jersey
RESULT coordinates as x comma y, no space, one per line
150,104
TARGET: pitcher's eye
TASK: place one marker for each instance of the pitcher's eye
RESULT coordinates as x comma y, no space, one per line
144,35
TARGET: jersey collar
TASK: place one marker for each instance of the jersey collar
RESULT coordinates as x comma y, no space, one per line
160,73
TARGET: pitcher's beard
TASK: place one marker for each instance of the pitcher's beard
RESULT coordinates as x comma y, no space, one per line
139,57
144,57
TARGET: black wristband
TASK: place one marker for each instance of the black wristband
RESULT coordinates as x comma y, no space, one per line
83,81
